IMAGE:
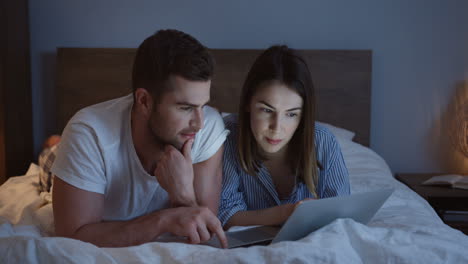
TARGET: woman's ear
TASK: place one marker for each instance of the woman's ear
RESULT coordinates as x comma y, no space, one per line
143,102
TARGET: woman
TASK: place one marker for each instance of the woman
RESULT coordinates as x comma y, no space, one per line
275,155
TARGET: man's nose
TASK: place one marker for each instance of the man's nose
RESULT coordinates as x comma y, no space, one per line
197,119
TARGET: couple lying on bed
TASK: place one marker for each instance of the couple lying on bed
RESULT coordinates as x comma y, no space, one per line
153,162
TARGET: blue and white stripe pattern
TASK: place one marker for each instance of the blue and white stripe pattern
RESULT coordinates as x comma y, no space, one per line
241,191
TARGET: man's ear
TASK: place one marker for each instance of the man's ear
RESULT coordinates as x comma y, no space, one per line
143,102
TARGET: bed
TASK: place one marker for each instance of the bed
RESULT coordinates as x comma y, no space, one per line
405,230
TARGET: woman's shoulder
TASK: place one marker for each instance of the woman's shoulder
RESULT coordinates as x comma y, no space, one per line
325,142
231,124
230,119
230,145
323,134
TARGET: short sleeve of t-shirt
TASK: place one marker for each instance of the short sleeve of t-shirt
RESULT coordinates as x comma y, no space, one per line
211,136
79,160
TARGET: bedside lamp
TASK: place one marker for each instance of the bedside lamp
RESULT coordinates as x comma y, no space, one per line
458,129
459,126
460,135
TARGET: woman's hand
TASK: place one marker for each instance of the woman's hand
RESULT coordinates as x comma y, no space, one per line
273,216
286,210
283,212
301,201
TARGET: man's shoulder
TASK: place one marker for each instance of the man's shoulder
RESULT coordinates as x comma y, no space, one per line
210,137
100,112
104,120
212,120
211,114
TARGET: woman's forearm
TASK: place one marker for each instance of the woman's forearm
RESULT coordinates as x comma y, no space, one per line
272,216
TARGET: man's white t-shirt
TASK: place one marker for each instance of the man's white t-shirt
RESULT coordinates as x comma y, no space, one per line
96,154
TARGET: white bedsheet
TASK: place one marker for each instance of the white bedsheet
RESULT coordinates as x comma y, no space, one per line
405,230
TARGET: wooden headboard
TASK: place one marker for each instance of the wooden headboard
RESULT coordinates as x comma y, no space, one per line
342,79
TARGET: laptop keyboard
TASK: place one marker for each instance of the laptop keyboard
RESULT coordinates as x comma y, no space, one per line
253,234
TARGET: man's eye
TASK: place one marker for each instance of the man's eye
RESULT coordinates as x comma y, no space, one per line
186,108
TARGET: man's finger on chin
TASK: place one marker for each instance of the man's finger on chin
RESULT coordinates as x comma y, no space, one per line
168,148
187,148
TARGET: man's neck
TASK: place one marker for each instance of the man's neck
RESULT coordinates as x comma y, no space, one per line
147,149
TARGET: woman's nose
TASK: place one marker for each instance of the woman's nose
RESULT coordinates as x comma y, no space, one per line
274,123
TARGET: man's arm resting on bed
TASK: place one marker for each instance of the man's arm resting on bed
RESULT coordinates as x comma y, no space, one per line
207,181
78,215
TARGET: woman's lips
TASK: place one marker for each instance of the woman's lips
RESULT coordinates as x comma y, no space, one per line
274,141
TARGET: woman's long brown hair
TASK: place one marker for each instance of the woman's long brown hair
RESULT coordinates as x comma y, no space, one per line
280,63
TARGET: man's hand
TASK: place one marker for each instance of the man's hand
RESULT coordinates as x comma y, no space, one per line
174,173
198,224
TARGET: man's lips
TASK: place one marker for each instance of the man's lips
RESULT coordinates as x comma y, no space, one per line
273,141
188,135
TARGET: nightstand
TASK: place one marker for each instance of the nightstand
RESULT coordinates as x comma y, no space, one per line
443,199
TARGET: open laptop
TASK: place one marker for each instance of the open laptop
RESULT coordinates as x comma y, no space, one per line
310,216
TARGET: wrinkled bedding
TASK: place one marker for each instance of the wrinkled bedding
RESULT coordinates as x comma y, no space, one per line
405,230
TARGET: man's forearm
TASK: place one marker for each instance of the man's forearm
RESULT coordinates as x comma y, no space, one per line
209,196
183,197
207,181
121,233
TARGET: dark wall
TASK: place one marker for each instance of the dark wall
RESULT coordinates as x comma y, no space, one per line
420,52
15,90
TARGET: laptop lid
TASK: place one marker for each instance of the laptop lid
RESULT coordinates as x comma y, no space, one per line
314,214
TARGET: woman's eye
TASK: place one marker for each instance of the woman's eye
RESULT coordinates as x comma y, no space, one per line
266,110
291,114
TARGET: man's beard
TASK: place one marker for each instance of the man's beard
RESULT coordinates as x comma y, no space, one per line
163,142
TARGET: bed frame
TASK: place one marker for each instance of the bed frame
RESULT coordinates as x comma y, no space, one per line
342,79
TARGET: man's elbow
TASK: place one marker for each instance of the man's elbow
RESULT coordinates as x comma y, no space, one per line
66,231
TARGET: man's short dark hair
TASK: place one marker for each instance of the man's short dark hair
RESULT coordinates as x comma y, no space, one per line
170,52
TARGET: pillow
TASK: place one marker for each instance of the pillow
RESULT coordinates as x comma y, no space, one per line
46,159
339,132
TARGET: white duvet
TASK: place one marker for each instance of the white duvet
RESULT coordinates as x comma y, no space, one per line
405,230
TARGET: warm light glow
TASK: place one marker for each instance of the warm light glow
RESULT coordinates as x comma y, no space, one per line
460,132
457,127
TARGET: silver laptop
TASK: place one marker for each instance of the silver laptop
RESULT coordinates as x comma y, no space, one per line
310,216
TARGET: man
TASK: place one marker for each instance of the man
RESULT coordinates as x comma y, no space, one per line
124,172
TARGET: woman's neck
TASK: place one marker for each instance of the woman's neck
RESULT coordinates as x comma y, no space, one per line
281,173
277,157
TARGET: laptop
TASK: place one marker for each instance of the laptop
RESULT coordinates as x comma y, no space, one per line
309,216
